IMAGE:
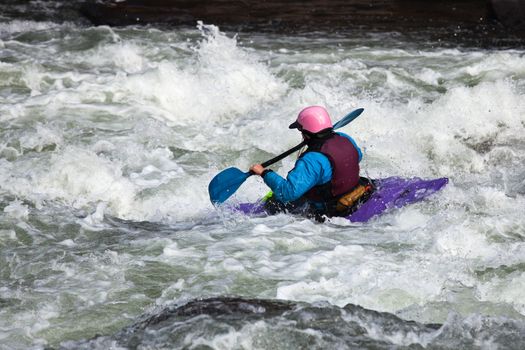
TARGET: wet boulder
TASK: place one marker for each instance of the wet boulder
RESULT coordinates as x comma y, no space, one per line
230,322
239,323
510,13
290,15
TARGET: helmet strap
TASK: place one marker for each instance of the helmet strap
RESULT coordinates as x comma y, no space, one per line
320,136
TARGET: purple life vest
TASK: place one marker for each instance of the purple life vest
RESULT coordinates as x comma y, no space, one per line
344,158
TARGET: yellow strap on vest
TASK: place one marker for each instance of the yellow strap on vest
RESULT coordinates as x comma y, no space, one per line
351,197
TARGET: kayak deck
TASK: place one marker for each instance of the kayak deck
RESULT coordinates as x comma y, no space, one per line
391,192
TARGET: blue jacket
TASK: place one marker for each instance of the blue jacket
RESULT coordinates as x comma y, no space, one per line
311,170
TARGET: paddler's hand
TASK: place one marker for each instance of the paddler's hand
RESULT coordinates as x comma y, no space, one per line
257,169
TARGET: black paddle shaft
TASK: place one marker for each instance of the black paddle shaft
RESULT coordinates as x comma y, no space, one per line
283,155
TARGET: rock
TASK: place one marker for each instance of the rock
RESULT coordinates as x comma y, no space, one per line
479,23
234,322
288,15
511,13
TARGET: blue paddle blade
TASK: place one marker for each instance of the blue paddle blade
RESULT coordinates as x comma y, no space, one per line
348,118
225,183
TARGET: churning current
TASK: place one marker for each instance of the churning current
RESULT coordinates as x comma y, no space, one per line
109,138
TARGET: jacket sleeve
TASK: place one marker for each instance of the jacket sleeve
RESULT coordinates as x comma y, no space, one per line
310,170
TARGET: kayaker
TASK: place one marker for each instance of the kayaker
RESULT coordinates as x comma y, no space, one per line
325,179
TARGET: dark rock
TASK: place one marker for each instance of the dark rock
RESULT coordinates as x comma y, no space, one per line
479,23
511,13
290,15
222,306
270,324
278,324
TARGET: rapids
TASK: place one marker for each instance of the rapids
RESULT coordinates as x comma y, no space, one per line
109,137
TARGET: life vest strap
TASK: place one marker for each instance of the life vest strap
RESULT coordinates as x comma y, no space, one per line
348,201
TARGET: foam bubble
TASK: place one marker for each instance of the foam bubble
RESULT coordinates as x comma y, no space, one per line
17,209
222,82
81,177
43,137
124,56
508,290
20,26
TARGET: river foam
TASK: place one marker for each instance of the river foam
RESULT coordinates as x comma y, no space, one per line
109,138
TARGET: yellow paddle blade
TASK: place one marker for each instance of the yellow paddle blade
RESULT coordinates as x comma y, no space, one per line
267,196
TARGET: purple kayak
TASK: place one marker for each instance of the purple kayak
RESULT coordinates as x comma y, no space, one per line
391,192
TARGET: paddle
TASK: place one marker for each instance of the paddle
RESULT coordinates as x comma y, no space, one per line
225,183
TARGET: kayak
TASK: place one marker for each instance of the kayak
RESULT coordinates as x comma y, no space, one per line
391,192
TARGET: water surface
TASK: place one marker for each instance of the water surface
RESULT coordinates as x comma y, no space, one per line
109,138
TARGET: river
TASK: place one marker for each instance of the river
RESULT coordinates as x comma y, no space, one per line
110,136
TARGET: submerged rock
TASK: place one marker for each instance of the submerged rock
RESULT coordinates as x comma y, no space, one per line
264,324
238,323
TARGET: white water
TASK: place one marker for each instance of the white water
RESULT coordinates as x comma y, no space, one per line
101,123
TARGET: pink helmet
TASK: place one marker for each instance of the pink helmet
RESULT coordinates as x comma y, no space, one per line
312,119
